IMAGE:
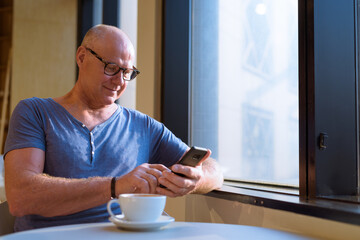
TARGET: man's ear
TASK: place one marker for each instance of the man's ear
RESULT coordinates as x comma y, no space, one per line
80,55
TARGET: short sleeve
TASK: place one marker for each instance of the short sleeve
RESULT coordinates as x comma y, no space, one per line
25,128
166,147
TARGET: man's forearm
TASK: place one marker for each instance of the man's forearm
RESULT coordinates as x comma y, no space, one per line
53,196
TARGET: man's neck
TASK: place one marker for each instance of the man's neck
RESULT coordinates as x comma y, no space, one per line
85,112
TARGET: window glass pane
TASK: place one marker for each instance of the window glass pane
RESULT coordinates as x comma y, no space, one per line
244,87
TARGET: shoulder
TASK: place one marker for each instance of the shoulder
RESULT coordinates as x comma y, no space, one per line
32,107
132,112
34,102
140,119
135,114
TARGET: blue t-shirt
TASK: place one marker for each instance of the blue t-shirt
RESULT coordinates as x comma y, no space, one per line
113,148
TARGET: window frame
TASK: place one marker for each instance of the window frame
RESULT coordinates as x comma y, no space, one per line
325,55
321,27
176,70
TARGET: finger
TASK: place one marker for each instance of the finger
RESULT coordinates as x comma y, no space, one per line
178,168
170,189
166,192
176,189
155,172
179,181
189,172
141,185
207,155
172,178
151,182
149,178
159,167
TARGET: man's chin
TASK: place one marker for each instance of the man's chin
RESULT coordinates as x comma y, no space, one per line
111,98
107,100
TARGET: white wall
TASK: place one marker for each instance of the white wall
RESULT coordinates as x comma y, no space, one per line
128,23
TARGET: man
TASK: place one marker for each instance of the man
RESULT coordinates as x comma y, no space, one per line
62,154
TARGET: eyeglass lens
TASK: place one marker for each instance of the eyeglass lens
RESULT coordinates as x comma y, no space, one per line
112,69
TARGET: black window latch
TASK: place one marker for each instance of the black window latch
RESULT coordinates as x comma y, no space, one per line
323,141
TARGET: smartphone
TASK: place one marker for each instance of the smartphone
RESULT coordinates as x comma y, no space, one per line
194,156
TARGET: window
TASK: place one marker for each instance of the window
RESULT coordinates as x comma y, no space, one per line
326,69
244,87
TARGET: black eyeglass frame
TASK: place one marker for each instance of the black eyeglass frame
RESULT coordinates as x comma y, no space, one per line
134,69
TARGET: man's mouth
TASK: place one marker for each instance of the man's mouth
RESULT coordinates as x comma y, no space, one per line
113,90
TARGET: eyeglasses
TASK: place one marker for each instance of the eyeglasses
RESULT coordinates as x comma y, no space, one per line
112,69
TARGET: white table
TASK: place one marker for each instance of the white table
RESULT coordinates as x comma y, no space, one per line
175,230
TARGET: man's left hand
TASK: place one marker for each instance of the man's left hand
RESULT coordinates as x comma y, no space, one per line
180,185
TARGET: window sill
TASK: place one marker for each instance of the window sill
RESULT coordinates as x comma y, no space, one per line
327,209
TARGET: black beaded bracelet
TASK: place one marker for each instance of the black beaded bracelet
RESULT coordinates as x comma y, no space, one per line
113,181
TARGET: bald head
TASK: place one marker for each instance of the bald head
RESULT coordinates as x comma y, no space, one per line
111,36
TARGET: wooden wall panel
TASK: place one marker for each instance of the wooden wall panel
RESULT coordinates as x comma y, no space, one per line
6,23
148,88
44,47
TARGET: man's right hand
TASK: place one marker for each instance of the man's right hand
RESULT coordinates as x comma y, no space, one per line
143,179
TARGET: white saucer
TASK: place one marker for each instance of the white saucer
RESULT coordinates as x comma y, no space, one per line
120,221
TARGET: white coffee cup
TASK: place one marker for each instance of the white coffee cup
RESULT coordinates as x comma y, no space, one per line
139,207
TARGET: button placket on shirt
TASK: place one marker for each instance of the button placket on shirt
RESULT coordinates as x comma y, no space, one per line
92,144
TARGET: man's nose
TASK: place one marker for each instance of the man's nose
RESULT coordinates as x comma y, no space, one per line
118,78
